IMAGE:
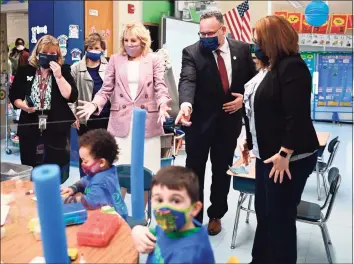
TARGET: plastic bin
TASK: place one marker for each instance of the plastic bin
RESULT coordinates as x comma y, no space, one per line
15,171
166,161
74,214
98,230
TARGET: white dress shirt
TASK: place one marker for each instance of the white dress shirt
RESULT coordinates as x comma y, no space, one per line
133,77
250,92
226,55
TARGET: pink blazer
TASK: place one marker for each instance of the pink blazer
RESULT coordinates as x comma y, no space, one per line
152,92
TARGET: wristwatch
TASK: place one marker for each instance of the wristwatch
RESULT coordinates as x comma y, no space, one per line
284,154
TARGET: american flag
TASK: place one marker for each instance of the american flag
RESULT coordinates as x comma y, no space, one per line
238,20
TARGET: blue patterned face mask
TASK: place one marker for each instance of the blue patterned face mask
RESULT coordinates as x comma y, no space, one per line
239,170
171,219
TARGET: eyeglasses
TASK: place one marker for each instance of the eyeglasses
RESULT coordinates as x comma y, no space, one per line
254,41
208,34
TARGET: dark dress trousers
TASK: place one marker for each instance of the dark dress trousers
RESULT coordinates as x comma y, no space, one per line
212,128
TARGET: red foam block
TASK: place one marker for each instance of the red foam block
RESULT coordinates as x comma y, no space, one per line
98,230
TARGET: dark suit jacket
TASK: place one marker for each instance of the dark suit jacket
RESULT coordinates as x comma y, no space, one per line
282,107
60,117
200,83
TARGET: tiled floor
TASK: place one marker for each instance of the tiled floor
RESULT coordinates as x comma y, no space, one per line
310,244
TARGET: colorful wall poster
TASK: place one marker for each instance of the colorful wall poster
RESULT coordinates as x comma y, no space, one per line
338,24
335,86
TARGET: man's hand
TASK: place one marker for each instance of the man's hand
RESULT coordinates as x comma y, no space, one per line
184,116
235,105
143,239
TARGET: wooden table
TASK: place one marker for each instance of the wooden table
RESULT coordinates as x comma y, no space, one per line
20,246
322,138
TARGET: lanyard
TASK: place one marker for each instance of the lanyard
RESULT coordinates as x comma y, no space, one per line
42,88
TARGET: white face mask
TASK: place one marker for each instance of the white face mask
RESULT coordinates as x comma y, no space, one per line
20,47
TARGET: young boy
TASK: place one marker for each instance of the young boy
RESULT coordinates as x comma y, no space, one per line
98,150
177,238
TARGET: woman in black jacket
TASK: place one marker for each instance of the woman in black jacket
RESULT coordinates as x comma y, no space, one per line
281,133
42,90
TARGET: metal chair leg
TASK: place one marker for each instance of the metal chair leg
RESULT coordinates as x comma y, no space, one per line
149,209
318,183
325,239
249,208
329,241
241,199
324,183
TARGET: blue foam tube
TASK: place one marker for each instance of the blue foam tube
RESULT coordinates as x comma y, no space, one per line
137,164
50,211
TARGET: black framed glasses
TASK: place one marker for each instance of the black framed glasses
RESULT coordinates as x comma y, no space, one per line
208,34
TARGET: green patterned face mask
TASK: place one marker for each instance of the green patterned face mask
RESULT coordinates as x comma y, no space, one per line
171,219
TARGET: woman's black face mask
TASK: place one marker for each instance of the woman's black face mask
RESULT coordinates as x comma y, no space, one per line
45,59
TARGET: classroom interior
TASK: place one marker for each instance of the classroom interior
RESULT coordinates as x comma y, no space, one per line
332,115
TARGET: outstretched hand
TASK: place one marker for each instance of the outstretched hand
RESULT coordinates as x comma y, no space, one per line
163,114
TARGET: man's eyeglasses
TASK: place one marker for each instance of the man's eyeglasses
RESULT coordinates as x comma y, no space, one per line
208,34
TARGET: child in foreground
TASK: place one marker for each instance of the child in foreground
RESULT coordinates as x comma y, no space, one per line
177,238
98,150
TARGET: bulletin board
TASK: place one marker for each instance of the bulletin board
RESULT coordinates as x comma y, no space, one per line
335,86
99,18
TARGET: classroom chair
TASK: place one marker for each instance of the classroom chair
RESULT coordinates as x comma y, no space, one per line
323,167
246,187
314,214
124,182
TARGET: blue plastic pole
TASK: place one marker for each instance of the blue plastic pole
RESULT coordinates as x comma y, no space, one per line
50,211
137,164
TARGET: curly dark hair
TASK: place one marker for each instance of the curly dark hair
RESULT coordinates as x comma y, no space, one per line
101,143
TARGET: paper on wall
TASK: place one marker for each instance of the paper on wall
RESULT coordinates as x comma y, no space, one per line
74,31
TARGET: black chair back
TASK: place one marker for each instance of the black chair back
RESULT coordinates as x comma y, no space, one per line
332,149
334,180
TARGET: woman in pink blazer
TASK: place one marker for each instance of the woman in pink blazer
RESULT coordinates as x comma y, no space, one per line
134,79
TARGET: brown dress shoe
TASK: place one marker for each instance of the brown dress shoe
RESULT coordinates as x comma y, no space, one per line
214,226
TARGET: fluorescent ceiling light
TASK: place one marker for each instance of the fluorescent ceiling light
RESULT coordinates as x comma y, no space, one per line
295,4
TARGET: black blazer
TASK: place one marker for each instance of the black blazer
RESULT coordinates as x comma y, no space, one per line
200,83
282,108
60,116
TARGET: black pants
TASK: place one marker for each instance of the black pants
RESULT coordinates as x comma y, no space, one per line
221,140
92,123
276,210
56,149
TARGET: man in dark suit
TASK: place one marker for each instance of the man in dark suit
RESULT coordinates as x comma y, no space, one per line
214,72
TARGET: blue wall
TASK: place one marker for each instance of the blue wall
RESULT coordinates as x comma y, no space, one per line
57,16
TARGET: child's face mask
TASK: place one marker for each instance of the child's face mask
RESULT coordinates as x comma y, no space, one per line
91,169
171,219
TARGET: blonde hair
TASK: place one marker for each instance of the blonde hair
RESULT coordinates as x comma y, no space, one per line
91,40
142,34
45,42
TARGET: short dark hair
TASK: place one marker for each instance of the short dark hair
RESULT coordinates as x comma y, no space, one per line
101,143
19,40
177,178
217,14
